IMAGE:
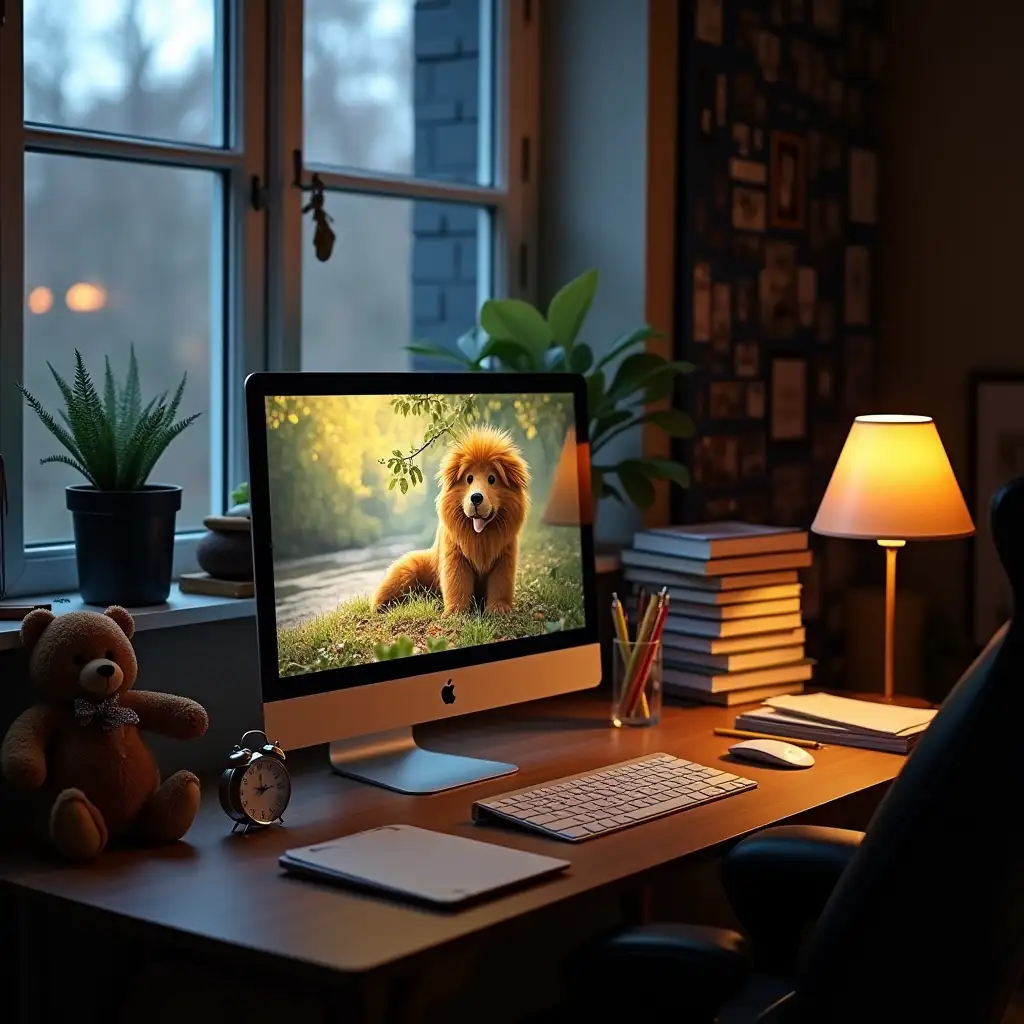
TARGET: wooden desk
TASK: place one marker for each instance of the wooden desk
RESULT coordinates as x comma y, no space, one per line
222,899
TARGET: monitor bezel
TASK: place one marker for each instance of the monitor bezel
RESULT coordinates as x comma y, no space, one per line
259,386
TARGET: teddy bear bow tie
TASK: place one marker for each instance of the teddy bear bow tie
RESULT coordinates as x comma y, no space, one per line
108,715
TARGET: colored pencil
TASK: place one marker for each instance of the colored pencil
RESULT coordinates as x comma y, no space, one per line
746,734
621,628
653,642
638,678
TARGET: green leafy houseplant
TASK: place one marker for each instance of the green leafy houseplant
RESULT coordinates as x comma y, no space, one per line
113,441
515,335
123,526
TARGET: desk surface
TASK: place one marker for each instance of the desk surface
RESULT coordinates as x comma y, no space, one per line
228,889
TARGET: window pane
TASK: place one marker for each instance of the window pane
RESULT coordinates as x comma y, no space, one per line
115,254
132,67
394,86
402,271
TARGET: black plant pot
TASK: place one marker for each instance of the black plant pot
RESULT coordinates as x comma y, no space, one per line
124,543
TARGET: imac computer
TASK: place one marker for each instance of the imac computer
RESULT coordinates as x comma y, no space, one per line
423,548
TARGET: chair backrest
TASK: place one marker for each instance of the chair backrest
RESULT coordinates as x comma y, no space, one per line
927,922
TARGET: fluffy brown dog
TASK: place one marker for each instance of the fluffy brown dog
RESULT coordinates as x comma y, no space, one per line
481,509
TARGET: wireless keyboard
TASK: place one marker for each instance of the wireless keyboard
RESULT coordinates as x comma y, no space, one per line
594,803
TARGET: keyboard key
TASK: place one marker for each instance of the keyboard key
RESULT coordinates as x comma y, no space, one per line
576,832
562,824
597,826
713,791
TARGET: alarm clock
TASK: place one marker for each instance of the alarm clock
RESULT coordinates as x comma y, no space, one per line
255,787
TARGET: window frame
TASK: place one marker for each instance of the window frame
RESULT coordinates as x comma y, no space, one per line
259,309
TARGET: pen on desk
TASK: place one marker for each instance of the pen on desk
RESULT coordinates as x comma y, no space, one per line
746,734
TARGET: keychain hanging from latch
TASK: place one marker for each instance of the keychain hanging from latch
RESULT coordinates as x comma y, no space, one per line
323,233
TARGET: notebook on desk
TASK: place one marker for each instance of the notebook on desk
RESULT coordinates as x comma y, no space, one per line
840,720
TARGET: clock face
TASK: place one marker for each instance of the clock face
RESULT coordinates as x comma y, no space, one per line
264,790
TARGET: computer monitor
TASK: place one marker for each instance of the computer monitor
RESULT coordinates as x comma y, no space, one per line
423,548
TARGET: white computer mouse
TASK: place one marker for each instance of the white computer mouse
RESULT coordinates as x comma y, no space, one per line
778,753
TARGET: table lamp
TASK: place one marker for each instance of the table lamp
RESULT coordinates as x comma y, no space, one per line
893,483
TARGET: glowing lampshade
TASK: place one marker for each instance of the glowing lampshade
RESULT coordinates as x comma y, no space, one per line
893,481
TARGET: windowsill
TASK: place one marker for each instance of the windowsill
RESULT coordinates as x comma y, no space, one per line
179,610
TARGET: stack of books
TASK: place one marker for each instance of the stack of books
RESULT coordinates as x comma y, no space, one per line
734,633
843,720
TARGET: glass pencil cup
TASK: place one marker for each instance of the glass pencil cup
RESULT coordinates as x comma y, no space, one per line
636,683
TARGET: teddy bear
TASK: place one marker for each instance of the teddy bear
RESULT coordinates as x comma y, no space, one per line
80,750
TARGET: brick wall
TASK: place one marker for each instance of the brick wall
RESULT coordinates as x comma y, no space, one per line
446,96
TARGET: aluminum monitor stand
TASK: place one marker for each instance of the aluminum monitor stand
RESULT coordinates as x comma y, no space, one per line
395,761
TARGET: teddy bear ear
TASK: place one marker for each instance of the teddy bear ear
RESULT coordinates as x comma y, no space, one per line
34,625
122,618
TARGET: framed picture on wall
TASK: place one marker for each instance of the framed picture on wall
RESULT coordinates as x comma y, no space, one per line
788,396
996,454
788,181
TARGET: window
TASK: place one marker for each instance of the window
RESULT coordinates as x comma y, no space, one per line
155,162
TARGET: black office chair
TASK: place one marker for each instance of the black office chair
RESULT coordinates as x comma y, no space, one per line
920,919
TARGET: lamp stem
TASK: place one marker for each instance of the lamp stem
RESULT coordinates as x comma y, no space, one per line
891,547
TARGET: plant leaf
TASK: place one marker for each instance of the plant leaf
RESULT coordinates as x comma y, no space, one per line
606,422
67,460
595,393
634,482
109,391
659,387
633,371
159,444
51,424
101,449
661,469
581,359
568,309
440,354
509,352
625,342
516,320
674,422
131,397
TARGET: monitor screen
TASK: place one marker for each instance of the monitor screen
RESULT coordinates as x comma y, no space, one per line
450,527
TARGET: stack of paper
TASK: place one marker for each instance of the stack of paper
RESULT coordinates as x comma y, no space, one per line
841,720
734,632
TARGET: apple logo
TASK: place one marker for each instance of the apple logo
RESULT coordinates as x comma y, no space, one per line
448,692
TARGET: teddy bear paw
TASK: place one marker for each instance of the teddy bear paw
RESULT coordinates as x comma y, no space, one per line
77,829
171,810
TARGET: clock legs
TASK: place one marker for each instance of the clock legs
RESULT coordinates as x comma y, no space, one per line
171,809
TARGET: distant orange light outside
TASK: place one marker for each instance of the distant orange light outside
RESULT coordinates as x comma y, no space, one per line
40,300
84,297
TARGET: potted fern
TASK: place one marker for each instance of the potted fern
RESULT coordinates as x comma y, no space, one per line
123,526
515,335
